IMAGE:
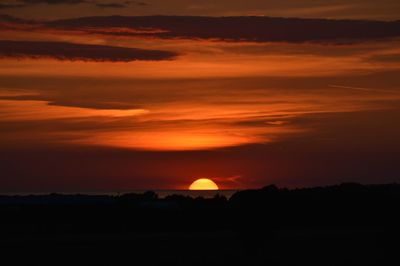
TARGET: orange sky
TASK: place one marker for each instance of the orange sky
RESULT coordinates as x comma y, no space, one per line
244,113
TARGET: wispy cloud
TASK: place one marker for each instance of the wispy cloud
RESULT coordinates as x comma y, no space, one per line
364,89
41,110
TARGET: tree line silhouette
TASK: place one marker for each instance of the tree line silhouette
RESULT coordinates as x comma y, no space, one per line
347,224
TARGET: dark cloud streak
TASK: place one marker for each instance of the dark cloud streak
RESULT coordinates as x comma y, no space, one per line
256,29
54,2
121,4
75,2
10,6
111,5
85,52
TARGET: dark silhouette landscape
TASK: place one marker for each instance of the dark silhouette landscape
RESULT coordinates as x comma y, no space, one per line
347,224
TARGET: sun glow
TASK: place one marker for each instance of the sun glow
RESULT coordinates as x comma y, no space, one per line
203,184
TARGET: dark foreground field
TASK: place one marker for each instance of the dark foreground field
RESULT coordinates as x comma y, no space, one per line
348,224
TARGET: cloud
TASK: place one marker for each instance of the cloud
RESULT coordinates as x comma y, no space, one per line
121,4
75,2
336,146
11,19
364,89
230,29
54,2
386,58
33,110
9,6
223,113
142,4
84,52
111,5
255,29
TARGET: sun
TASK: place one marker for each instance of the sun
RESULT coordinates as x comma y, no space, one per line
203,184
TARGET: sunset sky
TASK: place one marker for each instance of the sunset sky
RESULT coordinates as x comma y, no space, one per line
122,95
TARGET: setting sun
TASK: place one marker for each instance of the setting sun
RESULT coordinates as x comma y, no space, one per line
203,184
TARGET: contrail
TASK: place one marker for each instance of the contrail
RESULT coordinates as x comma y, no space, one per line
363,89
